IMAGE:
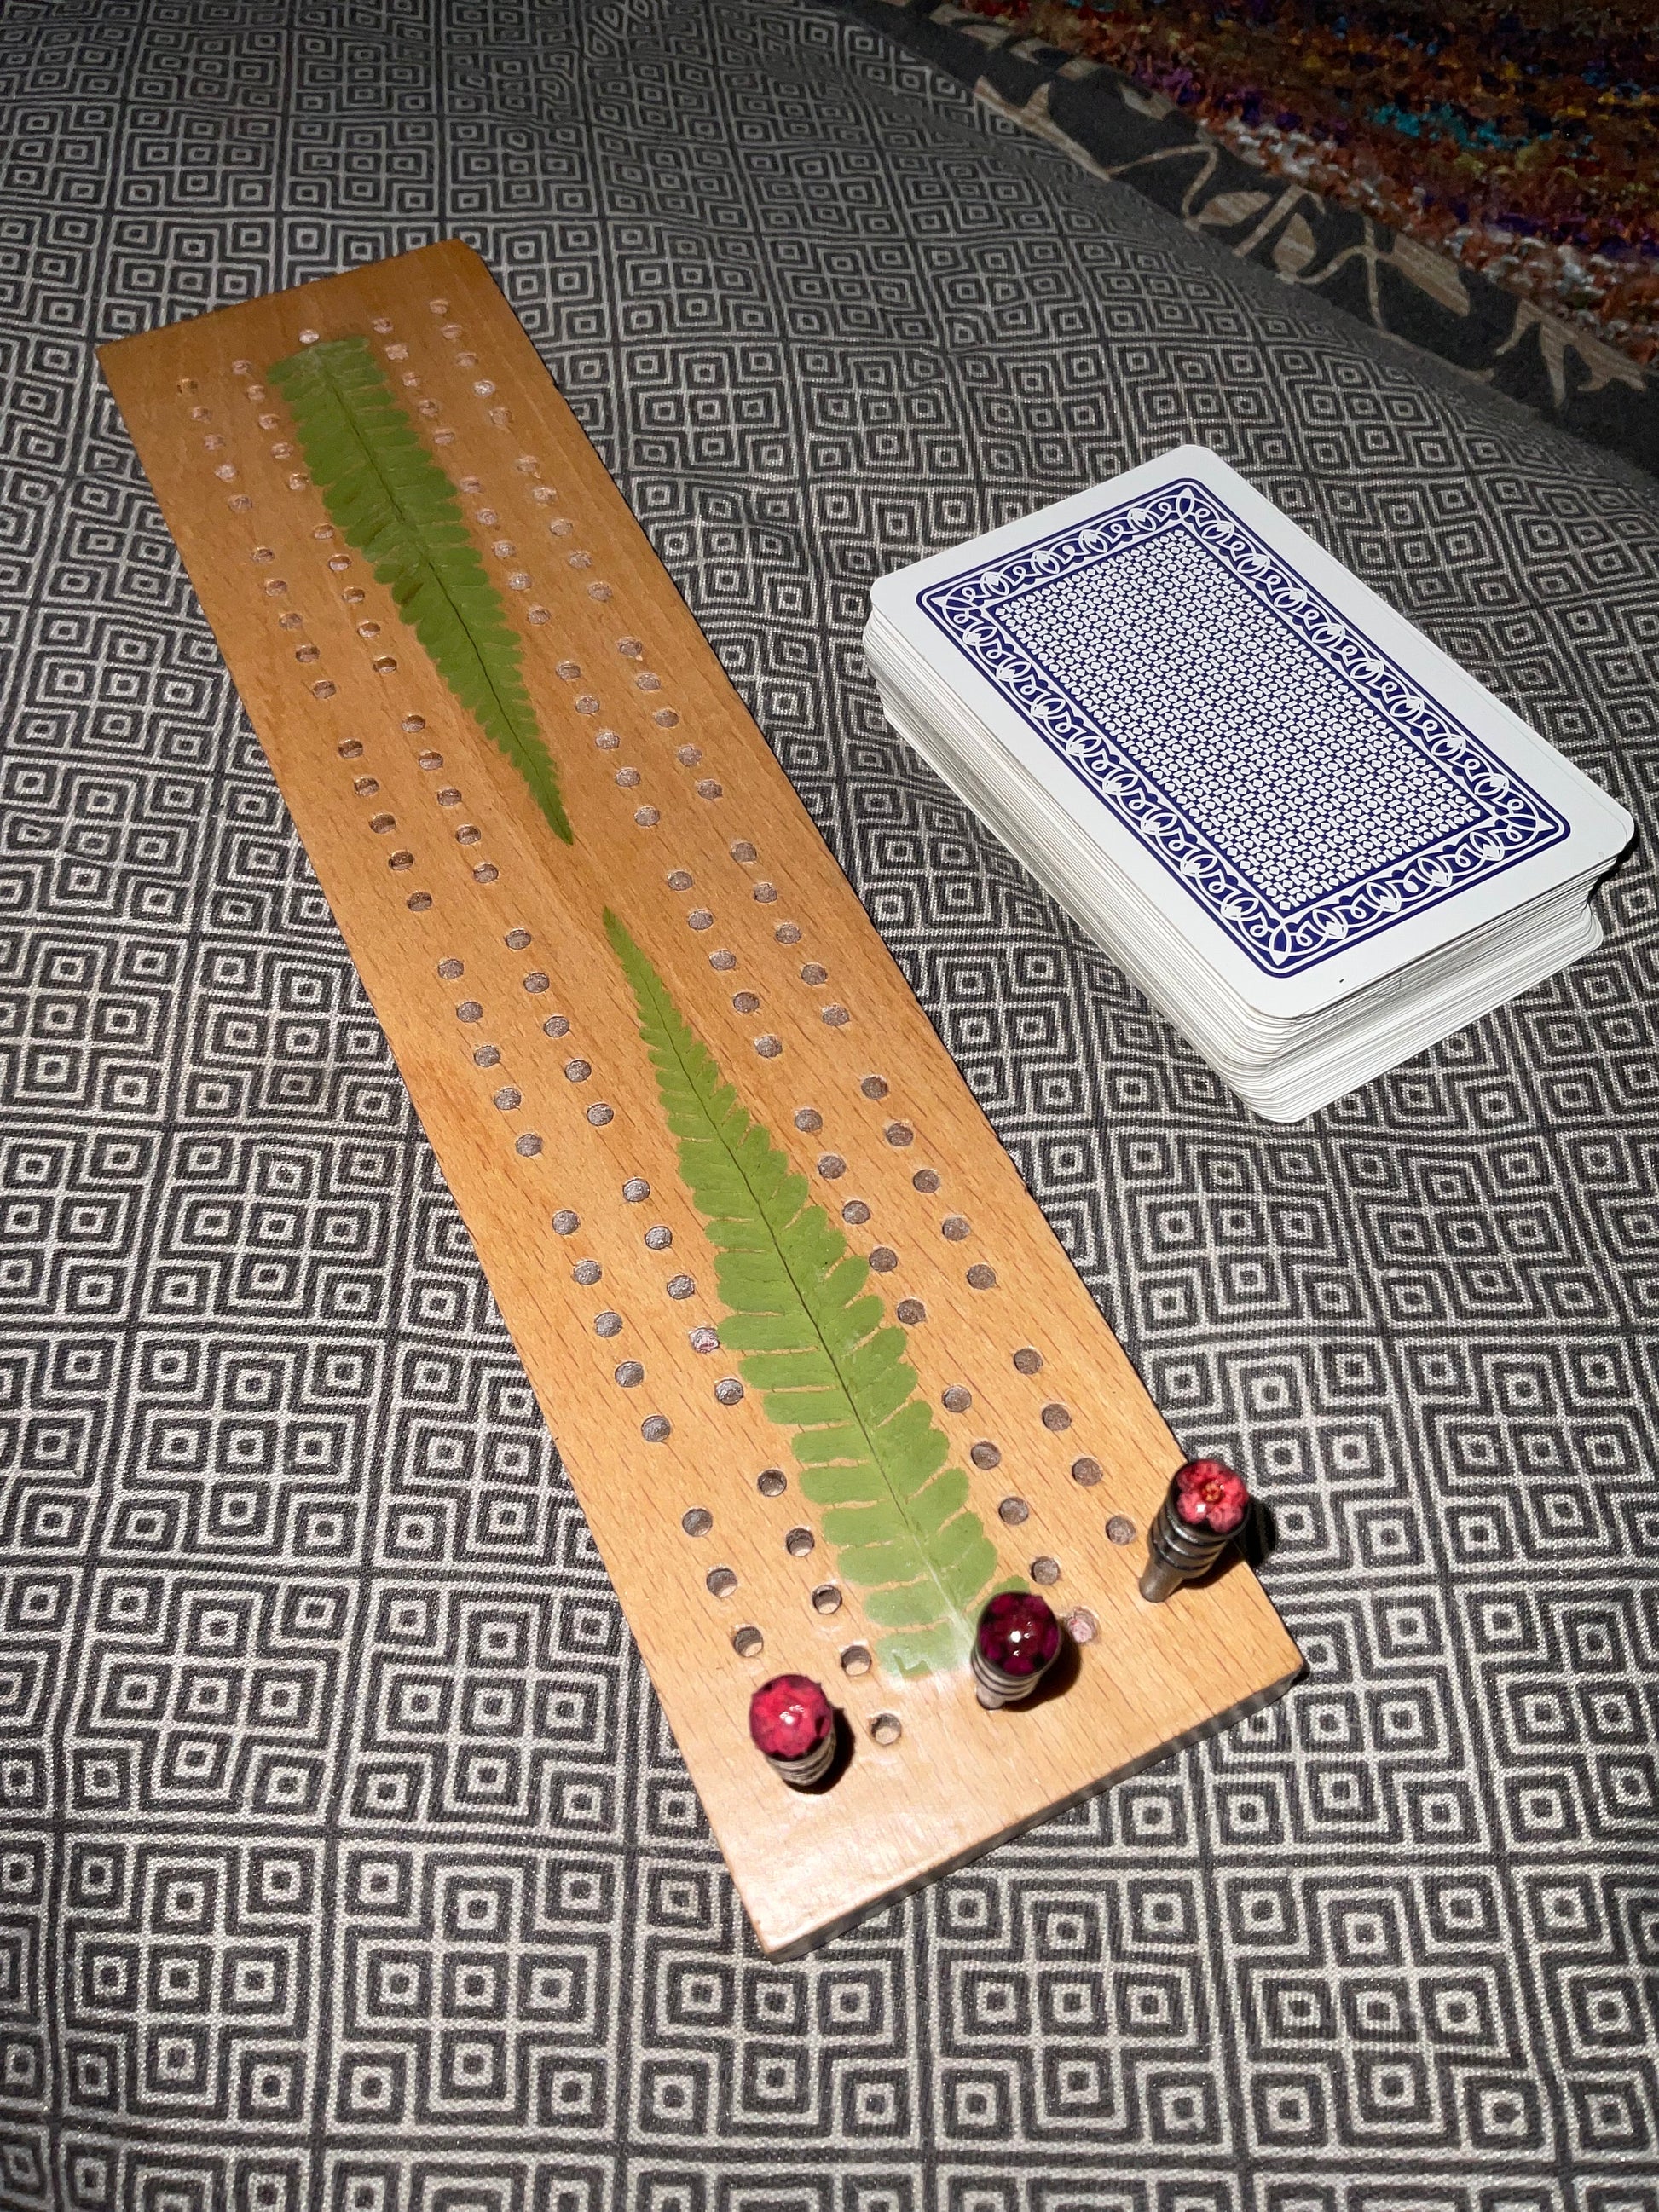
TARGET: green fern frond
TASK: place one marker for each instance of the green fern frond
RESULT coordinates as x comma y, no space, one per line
390,499
817,1348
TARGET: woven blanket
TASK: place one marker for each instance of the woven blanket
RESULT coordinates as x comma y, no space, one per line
274,1496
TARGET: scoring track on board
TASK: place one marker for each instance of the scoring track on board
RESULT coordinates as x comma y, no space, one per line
479,937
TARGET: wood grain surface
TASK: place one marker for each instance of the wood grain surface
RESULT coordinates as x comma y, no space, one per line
431,854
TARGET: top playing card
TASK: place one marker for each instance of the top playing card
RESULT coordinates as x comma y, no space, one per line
1224,691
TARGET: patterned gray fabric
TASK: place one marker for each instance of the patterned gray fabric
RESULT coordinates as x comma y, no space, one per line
283,1551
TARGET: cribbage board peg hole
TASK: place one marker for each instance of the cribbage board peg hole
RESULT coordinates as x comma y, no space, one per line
703,1339
748,1643
487,1055
811,972
728,1391
856,1660
954,1228
1082,1625
985,1455
1086,1471
856,1213
808,1119
719,1581
556,1025
1044,1569
981,1278
887,1729
350,749
771,1482
1056,1417
566,1222
658,1238
1014,1510
899,1134
826,1598
957,1398
607,1324
723,960
798,1542
1028,1360
926,1180
418,902
696,1520
469,1010
910,1311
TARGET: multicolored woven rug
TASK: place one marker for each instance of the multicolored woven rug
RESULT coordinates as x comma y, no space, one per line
1480,182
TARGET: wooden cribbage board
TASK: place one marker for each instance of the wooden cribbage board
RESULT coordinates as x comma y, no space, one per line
666,776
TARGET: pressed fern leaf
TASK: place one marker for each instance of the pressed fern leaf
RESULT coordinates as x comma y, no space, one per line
388,496
815,1348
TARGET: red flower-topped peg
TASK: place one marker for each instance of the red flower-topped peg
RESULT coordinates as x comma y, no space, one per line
1017,1642
1205,1509
794,1726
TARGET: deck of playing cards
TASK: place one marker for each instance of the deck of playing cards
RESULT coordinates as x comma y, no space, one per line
1313,842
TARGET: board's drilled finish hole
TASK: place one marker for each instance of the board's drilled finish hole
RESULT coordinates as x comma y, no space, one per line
1014,1510
856,1660
798,1542
1028,1360
1121,1528
771,1482
1082,1625
1086,1471
957,1398
697,1521
1045,1570
720,1581
984,1455
826,1598
748,1643
887,1729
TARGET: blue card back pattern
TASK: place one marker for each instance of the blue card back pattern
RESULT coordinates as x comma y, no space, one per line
1289,775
